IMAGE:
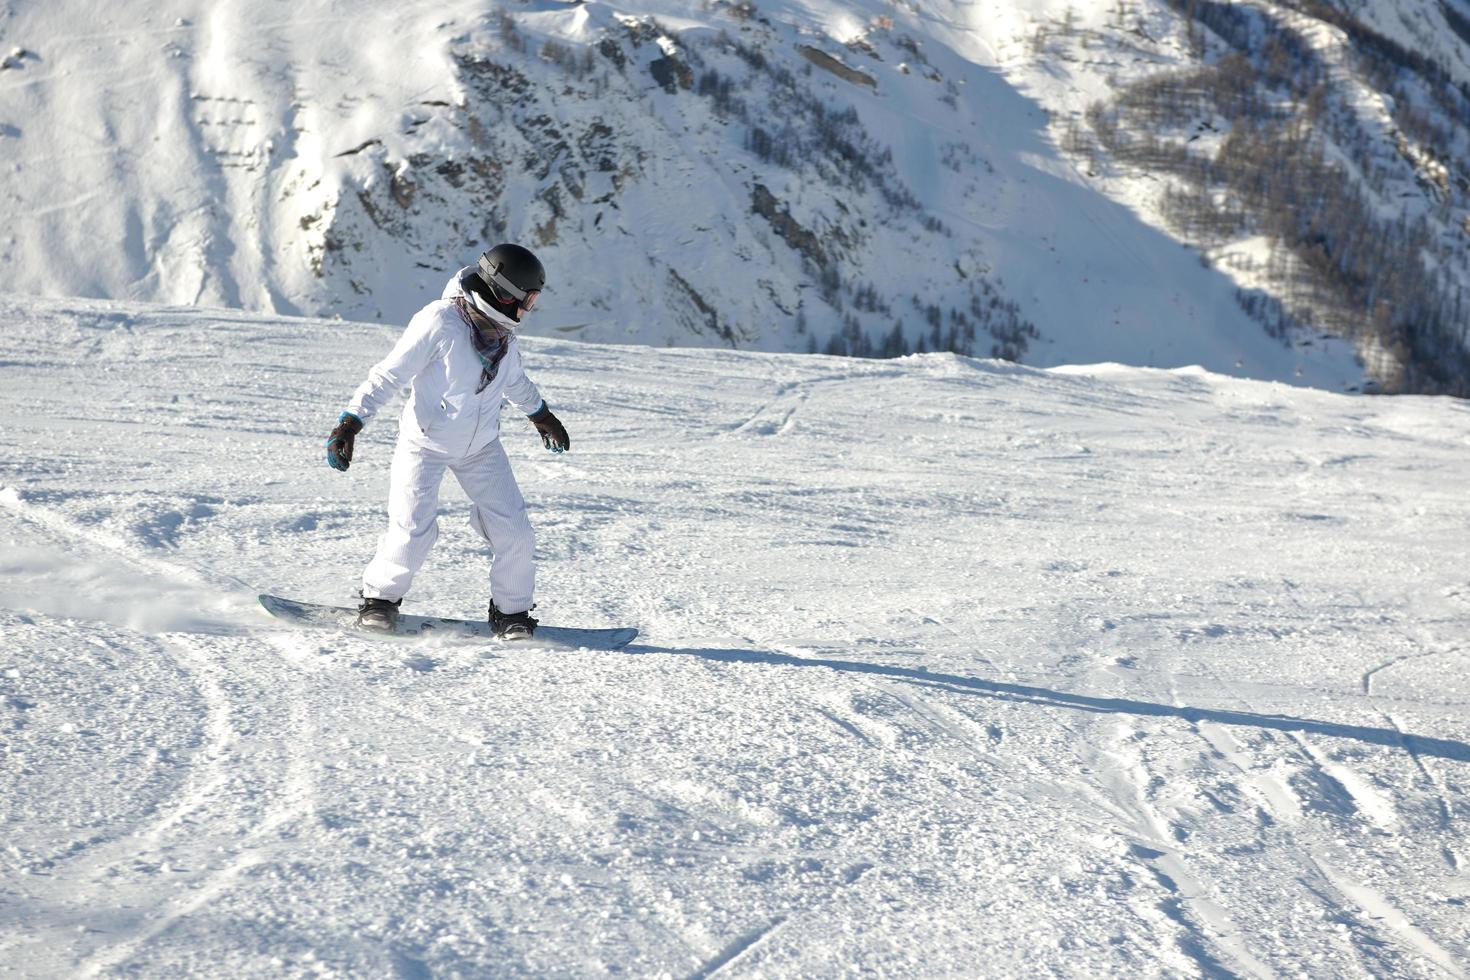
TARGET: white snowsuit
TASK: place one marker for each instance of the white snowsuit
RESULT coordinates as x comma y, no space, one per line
447,424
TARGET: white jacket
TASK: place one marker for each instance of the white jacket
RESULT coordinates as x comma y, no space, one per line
435,358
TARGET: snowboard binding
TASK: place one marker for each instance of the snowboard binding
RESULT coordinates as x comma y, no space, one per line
511,626
378,615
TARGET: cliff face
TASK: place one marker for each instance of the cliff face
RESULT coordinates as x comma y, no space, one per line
853,178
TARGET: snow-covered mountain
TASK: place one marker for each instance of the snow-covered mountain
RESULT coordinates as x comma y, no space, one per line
948,668
869,177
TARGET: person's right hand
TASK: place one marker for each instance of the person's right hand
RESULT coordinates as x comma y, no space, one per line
339,443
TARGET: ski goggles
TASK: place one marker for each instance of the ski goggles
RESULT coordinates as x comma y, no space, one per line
506,292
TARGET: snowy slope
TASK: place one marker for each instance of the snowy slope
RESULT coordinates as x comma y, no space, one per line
765,177
948,667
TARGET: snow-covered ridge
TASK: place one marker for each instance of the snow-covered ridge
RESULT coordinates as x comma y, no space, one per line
1106,671
778,176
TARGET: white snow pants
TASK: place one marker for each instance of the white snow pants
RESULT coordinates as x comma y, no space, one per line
497,511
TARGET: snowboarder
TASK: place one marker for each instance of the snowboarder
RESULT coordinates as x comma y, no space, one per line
459,358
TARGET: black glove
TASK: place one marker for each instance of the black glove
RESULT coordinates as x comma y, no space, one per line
553,433
339,443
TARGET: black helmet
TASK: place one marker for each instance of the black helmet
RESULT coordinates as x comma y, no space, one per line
507,281
513,274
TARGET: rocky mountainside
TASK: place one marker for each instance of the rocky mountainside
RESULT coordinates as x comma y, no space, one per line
1263,190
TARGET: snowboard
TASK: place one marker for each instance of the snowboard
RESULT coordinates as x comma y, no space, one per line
418,627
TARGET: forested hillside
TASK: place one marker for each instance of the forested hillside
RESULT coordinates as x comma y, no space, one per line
1320,160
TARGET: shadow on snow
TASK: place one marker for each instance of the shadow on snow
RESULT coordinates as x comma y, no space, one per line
1442,748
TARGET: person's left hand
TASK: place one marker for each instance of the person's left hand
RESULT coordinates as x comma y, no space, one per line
553,433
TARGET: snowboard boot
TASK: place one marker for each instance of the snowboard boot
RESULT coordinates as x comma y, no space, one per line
511,626
378,615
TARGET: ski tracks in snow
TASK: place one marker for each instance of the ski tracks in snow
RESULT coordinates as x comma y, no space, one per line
1304,801
777,416
1199,820
739,947
248,783
247,779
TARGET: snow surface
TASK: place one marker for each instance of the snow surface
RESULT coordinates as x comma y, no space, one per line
948,667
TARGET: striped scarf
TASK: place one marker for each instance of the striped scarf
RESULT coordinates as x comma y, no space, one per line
491,340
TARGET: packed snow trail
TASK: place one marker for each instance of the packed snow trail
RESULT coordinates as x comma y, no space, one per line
945,665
